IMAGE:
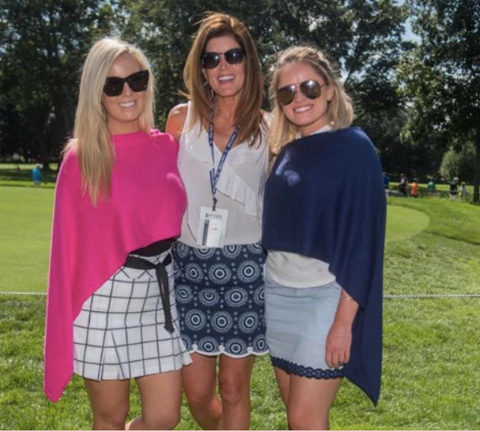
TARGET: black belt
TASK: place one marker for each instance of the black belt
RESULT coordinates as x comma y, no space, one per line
162,277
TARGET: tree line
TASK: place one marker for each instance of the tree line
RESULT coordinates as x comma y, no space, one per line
418,99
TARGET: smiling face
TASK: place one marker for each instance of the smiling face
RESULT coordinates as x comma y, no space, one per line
124,111
309,115
226,80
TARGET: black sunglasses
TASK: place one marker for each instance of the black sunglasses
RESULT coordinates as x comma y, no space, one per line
210,60
311,89
137,82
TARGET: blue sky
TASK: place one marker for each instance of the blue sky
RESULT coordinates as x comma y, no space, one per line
409,35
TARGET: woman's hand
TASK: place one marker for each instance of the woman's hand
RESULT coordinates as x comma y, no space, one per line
338,344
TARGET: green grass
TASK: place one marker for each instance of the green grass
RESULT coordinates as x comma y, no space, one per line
429,381
403,223
431,355
25,224
451,219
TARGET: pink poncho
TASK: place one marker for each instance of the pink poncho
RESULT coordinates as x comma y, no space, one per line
89,244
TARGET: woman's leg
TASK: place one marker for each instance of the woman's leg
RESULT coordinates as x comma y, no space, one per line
283,382
199,383
161,396
309,402
110,403
234,384
232,409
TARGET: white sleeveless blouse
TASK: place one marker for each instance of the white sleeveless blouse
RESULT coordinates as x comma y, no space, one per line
239,190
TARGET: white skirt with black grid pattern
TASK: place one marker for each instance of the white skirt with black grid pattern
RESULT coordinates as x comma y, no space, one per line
120,334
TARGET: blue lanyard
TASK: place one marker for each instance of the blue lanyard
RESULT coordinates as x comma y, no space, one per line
215,174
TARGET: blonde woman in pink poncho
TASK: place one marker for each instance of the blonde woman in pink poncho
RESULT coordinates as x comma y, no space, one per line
111,313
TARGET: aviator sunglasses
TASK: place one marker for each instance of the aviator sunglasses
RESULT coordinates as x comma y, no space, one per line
311,89
210,60
137,82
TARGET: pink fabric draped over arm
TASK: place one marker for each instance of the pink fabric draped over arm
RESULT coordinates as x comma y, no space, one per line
90,243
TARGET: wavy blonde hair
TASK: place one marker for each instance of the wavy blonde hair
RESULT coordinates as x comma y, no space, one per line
249,116
91,138
339,110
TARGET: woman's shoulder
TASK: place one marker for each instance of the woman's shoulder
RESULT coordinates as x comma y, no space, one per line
69,170
163,140
70,156
354,139
358,148
176,120
179,111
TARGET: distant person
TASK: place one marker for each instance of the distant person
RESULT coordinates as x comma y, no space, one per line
463,191
454,188
403,186
386,180
431,188
37,175
415,192
16,160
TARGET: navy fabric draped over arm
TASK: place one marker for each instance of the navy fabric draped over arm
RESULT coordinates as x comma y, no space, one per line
325,199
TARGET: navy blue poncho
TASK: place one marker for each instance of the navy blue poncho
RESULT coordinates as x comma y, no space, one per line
325,199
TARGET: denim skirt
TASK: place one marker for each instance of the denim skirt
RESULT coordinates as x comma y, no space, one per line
298,321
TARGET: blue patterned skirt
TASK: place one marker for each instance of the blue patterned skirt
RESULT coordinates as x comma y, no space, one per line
220,299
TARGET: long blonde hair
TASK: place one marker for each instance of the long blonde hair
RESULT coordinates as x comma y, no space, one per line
91,138
339,110
248,115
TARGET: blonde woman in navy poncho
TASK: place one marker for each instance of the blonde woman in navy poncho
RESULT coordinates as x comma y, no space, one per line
323,227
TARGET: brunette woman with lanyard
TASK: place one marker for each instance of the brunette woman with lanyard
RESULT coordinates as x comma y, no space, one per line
219,259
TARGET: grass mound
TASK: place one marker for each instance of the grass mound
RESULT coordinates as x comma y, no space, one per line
403,223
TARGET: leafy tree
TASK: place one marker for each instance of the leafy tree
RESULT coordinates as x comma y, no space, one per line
459,164
363,38
42,47
43,44
442,75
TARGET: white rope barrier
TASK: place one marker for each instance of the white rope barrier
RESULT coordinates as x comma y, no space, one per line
386,296
22,293
429,296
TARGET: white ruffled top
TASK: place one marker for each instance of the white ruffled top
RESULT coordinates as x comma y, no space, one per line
239,188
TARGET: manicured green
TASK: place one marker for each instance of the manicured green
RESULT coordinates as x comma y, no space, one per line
430,344
403,223
452,219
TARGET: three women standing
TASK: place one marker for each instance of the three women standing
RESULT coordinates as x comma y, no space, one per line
110,300
223,161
